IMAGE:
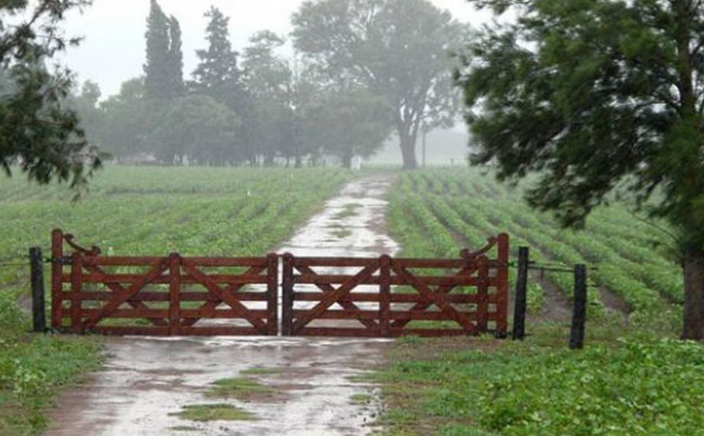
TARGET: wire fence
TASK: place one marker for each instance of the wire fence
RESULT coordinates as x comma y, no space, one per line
14,263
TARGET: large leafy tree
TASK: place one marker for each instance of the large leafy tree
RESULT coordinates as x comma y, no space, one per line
86,104
127,119
38,130
397,49
270,82
594,94
199,130
345,124
164,61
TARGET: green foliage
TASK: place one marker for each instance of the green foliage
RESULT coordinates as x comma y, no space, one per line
275,107
395,49
214,412
593,95
133,211
438,212
242,388
12,320
641,388
32,370
198,130
164,61
195,211
120,123
37,129
218,74
347,124
633,386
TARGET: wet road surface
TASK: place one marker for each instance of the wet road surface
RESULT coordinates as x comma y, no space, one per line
146,381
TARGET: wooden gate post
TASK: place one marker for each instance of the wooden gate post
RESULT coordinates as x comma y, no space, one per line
76,291
174,294
272,303
483,295
57,271
385,295
287,296
579,315
37,278
519,313
502,289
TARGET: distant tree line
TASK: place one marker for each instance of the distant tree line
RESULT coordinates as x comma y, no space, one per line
362,70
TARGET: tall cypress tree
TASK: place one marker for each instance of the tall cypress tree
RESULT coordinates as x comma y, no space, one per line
175,59
219,77
217,74
156,67
164,65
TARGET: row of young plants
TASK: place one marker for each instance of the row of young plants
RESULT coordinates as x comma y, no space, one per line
456,208
131,211
630,380
141,210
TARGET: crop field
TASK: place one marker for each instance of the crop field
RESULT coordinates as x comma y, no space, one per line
632,379
131,211
631,260
155,211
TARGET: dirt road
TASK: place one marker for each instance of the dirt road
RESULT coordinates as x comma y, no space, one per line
147,381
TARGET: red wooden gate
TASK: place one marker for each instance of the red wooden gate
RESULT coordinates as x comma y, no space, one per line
431,297
172,295
322,296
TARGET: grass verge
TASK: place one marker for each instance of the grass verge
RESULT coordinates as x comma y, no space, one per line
622,383
35,368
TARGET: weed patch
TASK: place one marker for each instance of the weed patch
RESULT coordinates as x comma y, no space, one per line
214,412
261,371
349,210
34,368
243,389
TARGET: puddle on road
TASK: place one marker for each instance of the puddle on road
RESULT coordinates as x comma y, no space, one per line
358,211
147,380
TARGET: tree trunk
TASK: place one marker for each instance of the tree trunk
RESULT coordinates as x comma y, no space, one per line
693,293
269,160
408,151
346,159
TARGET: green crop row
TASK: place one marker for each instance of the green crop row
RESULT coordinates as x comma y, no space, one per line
154,211
436,212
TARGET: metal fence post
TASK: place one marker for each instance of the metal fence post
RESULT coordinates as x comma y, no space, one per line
37,279
519,313
579,315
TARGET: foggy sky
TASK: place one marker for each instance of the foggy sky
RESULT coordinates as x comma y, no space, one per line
113,49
